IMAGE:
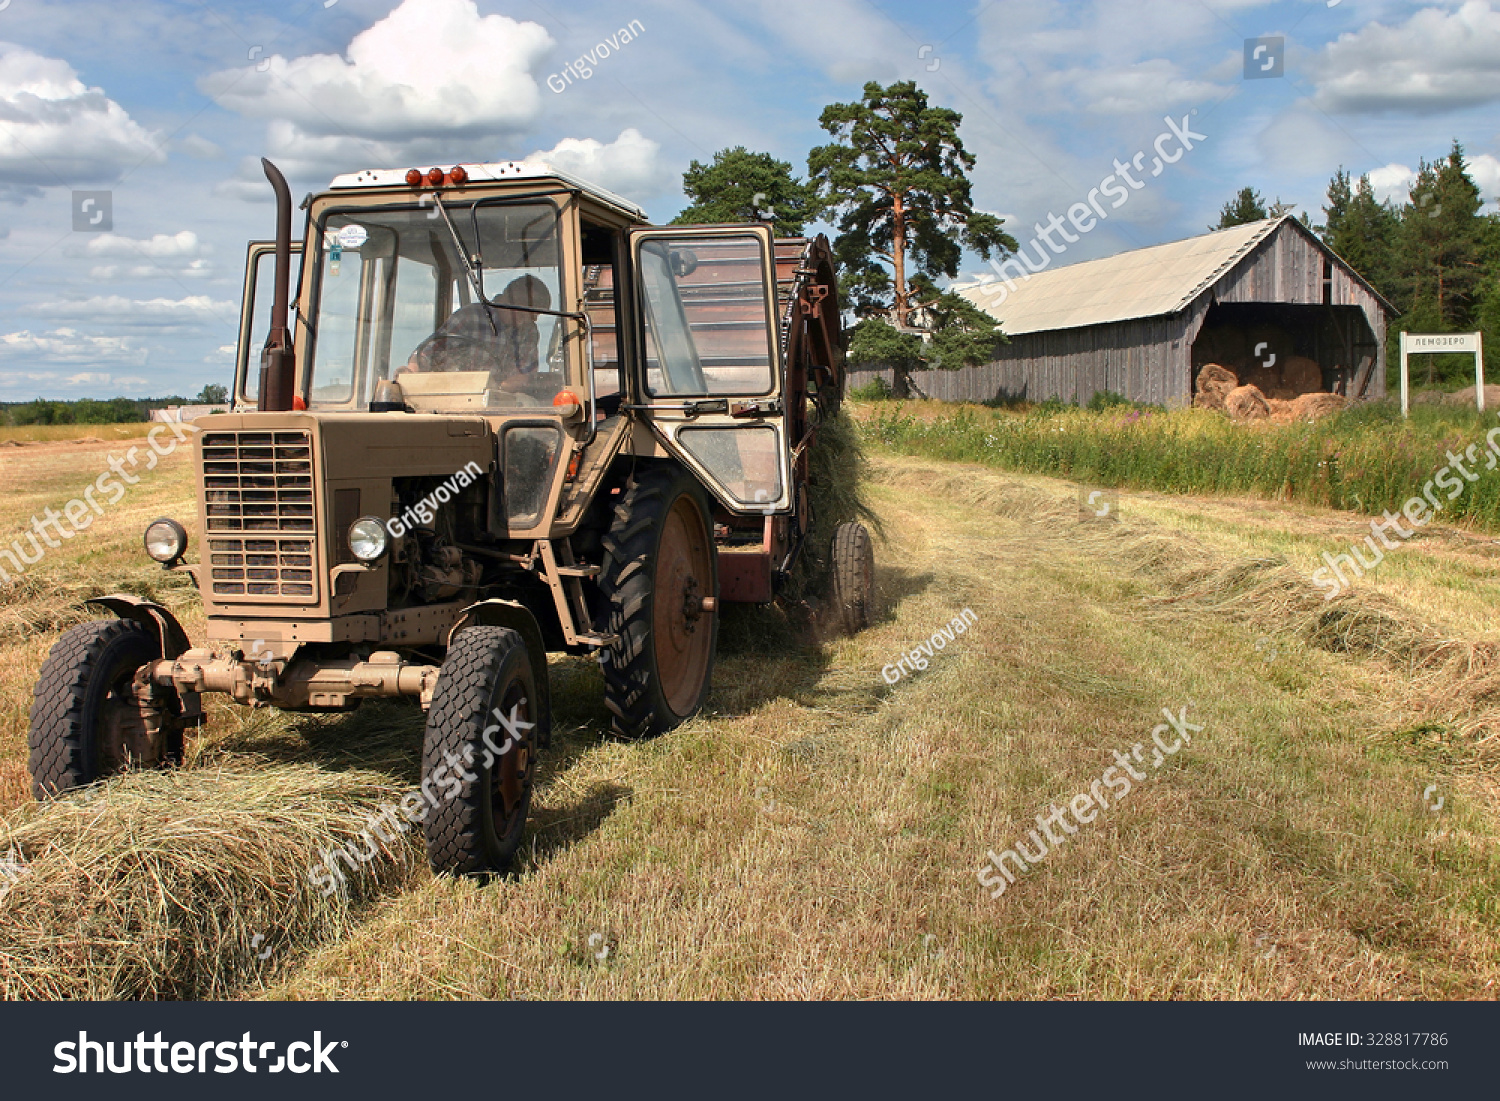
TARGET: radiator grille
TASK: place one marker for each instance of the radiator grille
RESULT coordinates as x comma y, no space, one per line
262,533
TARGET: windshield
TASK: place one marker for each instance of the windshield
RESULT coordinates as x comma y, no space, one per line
396,301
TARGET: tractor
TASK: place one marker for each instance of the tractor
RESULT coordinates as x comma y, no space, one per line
502,416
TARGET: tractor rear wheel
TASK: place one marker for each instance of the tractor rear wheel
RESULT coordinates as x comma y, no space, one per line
86,722
479,752
853,587
660,583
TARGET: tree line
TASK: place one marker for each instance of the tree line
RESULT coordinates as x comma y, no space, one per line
1435,256
108,411
894,180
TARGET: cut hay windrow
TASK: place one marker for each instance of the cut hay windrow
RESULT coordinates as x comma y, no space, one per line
185,884
1454,681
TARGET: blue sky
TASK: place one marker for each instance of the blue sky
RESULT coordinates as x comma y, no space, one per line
167,106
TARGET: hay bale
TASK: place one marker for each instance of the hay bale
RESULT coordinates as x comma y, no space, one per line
1302,375
1214,377
1213,385
155,884
1466,397
1246,403
1313,406
1281,411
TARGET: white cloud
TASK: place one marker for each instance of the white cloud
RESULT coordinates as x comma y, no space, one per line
1392,182
67,347
58,132
430,69
1436,61
1484,170
1151,86
162,246
628,165
119,310
164,256
112,273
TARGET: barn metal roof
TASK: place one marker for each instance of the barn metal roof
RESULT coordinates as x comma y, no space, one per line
1146,282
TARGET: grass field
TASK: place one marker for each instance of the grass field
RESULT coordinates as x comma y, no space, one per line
1366,459
817,832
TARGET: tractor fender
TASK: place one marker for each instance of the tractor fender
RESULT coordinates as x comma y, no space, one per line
518,617
152,616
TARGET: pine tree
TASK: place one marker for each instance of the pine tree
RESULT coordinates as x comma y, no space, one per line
741,186
1361,229
896,175
1439,241
1247,206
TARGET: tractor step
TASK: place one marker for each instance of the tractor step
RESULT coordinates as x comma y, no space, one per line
597,640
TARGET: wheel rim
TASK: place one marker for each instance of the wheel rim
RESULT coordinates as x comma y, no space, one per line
510,775
682,630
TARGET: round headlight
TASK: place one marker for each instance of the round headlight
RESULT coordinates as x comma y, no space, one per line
368,539
166,541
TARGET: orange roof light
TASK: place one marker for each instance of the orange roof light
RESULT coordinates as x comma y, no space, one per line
435,178
414,177
459,175
566,398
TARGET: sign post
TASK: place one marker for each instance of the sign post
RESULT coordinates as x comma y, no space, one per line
1432,343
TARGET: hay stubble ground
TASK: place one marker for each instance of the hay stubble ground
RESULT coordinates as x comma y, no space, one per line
816,833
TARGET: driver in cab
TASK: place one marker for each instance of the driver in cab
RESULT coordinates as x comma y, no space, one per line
480,337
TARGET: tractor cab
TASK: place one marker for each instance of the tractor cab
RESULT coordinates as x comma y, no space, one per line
514,291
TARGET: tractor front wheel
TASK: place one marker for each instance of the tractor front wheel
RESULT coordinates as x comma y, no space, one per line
480,749
86,718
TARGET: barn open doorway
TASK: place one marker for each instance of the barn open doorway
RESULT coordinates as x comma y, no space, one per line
1288,350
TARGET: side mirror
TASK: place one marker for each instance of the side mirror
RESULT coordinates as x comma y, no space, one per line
682,261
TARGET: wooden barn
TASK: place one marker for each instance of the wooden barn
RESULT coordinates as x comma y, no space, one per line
1142,322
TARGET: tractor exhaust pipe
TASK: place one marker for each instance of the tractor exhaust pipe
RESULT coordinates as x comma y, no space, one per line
278,364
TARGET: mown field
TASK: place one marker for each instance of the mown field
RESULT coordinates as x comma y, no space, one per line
816,833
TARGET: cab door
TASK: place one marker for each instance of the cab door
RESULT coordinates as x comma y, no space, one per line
710,373
255,319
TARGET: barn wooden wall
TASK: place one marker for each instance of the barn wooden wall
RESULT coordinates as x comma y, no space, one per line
1150,359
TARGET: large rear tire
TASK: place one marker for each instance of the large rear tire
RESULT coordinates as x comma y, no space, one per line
660,582
86,723
853,584
479,752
